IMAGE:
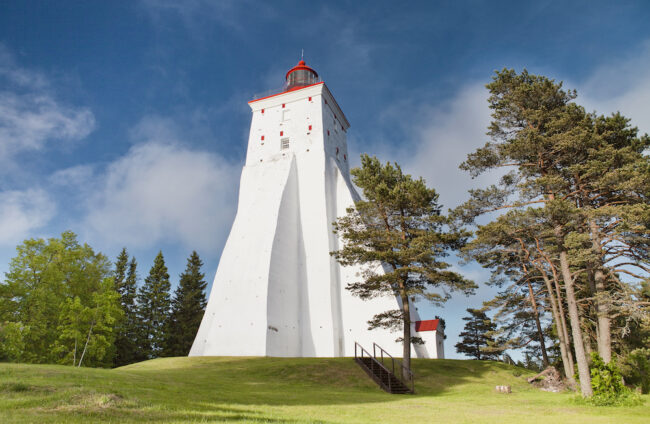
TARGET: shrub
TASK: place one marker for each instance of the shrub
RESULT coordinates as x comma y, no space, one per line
607,384
635,368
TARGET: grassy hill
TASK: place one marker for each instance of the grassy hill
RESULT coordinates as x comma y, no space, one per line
275,390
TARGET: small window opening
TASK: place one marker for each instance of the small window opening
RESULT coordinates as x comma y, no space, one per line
310,128
283,105
310,99
284,143
262,111
281,133
286,115
262,138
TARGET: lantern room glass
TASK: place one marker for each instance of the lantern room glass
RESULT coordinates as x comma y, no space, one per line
301,78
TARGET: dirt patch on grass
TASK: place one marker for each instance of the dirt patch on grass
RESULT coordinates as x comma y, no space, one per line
91,402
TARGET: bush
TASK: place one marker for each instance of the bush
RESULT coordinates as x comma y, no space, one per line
607,384
635,368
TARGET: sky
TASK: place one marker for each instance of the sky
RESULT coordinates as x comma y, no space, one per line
127,121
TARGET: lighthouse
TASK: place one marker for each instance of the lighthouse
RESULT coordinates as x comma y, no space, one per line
277,290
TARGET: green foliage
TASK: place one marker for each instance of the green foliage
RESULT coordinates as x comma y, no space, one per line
188,307
153,310
126,281
49,282
399,225
635,368
607,384
86,332
476,337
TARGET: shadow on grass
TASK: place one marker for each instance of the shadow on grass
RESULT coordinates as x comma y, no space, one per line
306,381
203,388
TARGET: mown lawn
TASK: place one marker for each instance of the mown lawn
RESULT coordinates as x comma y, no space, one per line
275,390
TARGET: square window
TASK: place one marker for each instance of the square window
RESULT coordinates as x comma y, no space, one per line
284,143
286,115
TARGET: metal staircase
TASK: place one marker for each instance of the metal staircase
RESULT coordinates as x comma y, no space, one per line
382,368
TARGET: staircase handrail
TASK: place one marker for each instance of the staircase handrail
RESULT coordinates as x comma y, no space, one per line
409,382
357,345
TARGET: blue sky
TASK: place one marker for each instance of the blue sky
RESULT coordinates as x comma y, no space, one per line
127,121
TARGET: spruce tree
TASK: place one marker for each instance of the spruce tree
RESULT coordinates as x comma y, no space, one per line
476,336
188,307
127,330
153,309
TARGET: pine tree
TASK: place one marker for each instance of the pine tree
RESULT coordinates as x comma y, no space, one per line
476,336
188,307
400,225
127,331
153,309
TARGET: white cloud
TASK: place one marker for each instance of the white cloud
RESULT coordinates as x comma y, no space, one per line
77,176
30,115
442,137
621,85
22,212
162,191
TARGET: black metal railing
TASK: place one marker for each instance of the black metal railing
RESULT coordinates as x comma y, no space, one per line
404,375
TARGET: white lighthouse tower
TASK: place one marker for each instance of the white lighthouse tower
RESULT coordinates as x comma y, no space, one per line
277,291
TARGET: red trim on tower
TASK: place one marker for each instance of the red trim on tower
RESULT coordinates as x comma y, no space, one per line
286,92
427,325
281,133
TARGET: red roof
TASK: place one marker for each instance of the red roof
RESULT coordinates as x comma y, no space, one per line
428,325
299,66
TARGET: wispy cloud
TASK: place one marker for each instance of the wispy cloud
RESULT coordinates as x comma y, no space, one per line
30,115
196,15
23,212
621,85
163,191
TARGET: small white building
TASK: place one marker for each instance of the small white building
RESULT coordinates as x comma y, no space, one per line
277,290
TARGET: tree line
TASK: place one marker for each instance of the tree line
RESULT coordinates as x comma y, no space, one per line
565,233
62,302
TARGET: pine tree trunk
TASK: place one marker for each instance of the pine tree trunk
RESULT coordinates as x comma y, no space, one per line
565,352
539,326
604,339
406,316
565,327
574,318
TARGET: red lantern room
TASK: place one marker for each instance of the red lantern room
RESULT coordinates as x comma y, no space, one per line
301,75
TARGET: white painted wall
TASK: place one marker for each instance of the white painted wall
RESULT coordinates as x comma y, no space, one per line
277,291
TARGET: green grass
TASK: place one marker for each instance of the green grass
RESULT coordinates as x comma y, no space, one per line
274,390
